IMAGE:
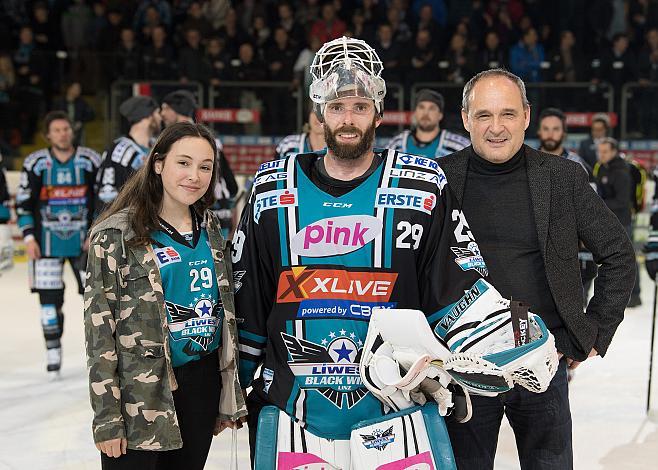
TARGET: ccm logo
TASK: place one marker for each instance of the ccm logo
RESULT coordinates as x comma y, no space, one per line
336,235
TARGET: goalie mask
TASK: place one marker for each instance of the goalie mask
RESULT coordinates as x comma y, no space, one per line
346,68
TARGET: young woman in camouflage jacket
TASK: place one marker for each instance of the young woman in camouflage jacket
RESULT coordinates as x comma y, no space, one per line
160,328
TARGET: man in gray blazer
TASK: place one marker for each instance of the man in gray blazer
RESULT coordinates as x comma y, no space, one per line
528,211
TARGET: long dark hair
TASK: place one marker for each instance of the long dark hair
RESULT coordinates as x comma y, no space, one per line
142,193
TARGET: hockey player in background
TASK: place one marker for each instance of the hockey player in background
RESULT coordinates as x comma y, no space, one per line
6,243
552,133
180,106
127,153
54,204
311,140
427,138
325,238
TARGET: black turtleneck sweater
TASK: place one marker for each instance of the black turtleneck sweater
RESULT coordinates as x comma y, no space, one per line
499,211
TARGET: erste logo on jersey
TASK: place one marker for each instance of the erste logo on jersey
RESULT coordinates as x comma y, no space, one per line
166,255
273,200
336,235
404,198
300,284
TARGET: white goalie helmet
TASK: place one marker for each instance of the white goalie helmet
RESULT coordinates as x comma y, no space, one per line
344,68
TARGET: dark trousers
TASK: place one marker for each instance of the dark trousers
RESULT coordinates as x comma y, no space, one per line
636,287
541,424
197,405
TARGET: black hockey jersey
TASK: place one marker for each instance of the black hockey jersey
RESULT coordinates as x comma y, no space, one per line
226,190
5,214
309,268
119,162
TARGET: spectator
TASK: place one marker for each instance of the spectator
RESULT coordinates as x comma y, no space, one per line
159,57
215,11
7,107
151,21
423,59
329,26
287,22
492,55
145,14
618,64
361,29
307,11
401,31
77,109
599,129
373,11
437,9
280,59
648,63
427,21
111,33
75,26
47,34
260,34
97,24
127,63
232,33
191,63
247,67
217,60
457,68
195,19
567,60
30,70
526,57
303,64
390,53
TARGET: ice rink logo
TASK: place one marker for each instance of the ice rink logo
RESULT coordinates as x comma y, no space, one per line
336,235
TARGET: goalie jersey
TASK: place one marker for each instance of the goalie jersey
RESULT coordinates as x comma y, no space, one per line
54,201
119,162
309,268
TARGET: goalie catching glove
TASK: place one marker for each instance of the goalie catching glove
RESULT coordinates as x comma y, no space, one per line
476,349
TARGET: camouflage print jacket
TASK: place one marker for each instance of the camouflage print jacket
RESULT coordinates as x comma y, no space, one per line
127,340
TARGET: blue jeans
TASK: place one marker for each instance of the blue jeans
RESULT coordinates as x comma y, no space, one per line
541,424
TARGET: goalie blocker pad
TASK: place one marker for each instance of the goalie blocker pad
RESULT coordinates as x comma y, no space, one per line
414,438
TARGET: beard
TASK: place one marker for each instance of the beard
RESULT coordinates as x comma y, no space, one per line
350,151
426,126
550,145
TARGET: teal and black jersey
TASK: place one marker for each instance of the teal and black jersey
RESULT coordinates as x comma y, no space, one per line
443,144
194,309
54,201
4,196
310,266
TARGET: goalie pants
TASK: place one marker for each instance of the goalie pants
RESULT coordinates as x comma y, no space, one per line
197,402
47,279
541,423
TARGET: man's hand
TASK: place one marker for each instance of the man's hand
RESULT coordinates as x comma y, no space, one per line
572,364
114,447
32,249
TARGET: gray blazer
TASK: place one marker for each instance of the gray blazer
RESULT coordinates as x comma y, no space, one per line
567,210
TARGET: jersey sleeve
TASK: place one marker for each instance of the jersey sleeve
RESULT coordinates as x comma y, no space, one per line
27,197
227,174
450,262
255,288
4,198
111,176
397,142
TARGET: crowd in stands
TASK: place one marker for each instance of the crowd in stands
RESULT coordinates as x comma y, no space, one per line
214,41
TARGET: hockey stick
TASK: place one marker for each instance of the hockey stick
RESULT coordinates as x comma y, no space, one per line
653,336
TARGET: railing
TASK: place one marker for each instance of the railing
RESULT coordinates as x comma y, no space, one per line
639,111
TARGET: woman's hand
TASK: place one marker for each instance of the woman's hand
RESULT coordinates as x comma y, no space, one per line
114,447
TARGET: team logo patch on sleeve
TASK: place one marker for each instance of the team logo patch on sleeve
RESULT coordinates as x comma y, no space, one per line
470,258
378,439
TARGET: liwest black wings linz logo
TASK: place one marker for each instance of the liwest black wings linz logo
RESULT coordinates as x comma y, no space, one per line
470,258
331,367
378,439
